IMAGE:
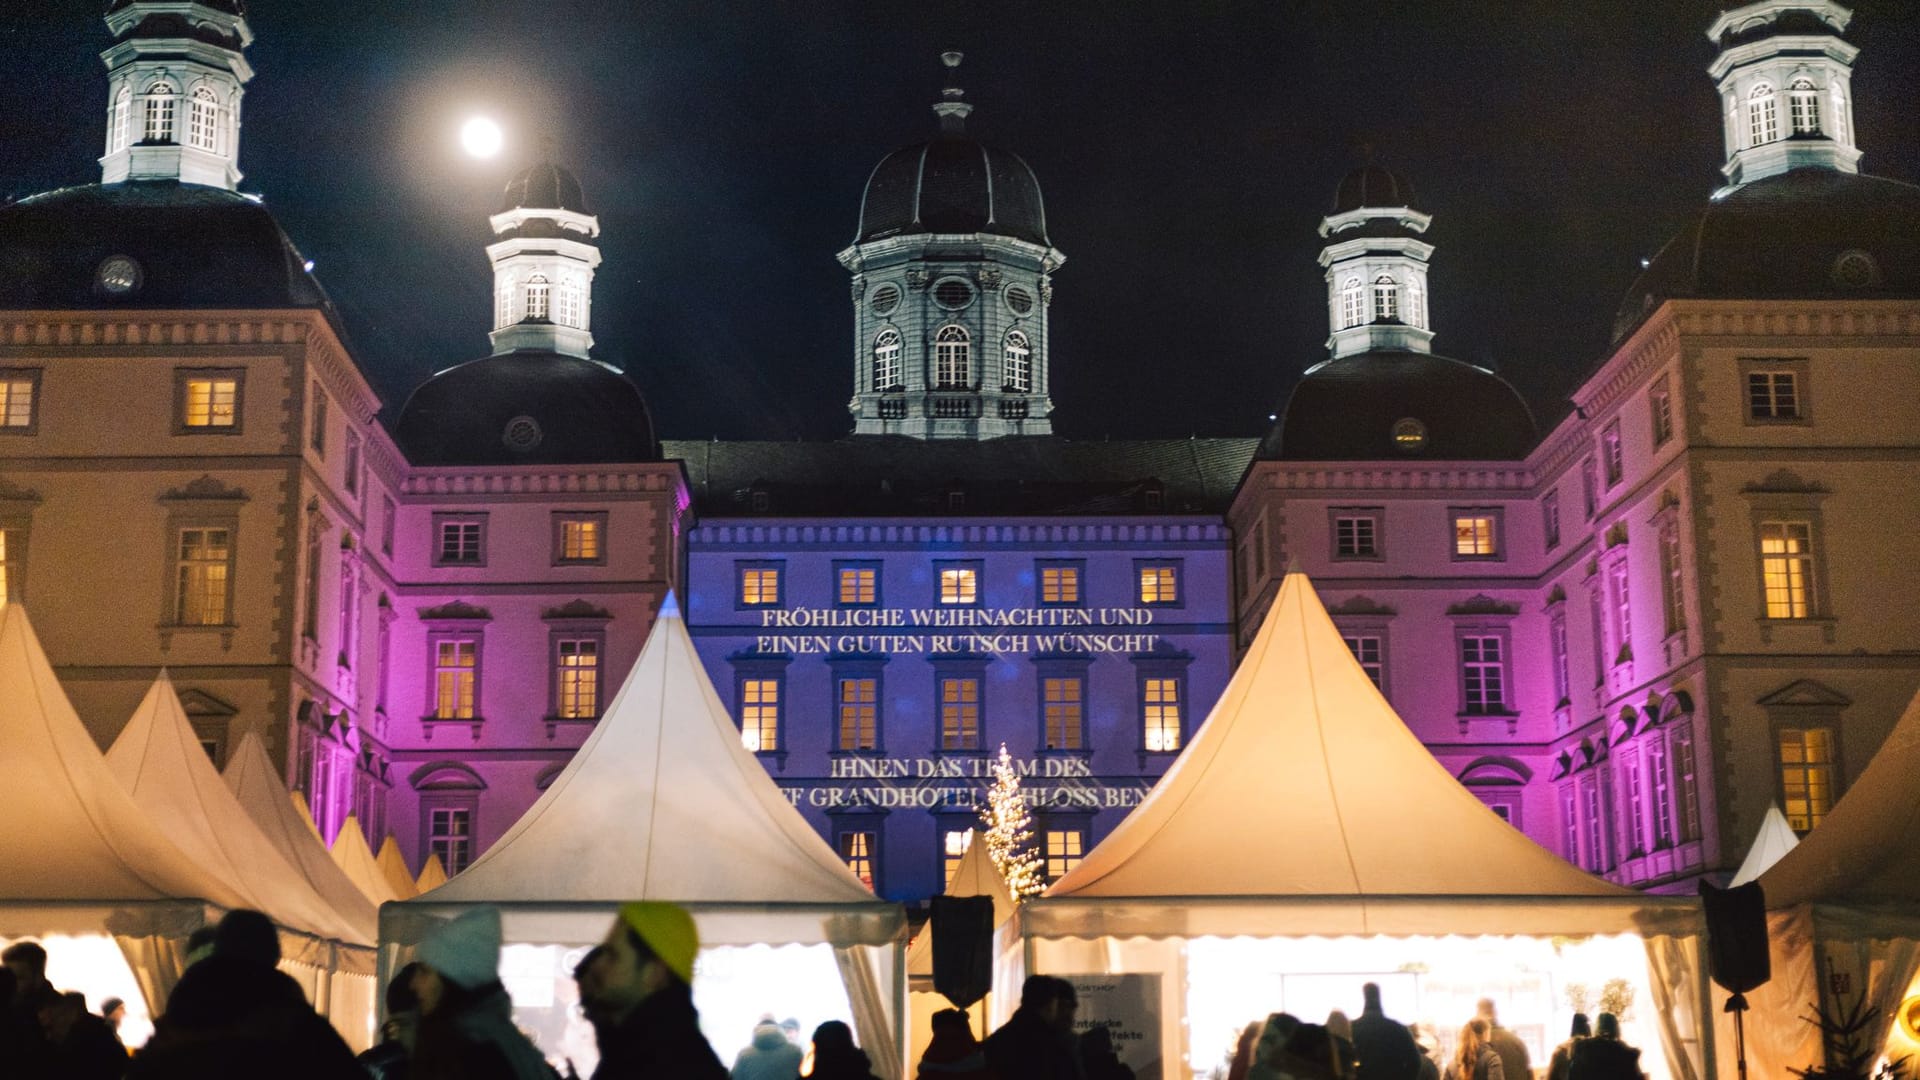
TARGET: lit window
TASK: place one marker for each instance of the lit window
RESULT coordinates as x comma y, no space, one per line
1353,536
760,714
572,302
1366,650
450,837
857,849
859,586
17,399
1786,568
1059,584
952,359
955,843
159,119
1672,578
539,293
202,112
1550,519
959,585
1773,395
580,539
1484,672
1660,403
1806,775
1160,713
1386,299
460,542
210,402
1612,456
9,566
1019,363
1065,849
759,586
1476,536
1763,118
202,572
577,661
455,663
886,360
959,714
121,124
1062,700
859,714
1353,303
1804,103
1159,584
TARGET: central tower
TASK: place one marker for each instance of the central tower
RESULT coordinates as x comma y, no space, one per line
951,283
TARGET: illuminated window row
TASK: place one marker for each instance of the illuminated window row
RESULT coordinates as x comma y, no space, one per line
959,584
576,682
579,538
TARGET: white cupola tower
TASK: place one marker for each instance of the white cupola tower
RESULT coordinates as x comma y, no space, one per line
543,261
1786,88
174,77
1376,266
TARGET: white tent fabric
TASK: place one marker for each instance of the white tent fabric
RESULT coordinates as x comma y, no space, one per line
355,859
256,784
432,876
394,866
1770,844
299,803
662,802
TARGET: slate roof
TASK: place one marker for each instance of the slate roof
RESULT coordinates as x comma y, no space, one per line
1371,185
1346,409
545,186
952,184
582,412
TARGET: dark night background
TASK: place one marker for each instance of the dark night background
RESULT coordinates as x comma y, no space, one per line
1186,152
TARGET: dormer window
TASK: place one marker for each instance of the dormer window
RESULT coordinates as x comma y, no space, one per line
952,358
159,119
539,290
1019,363
202,119
1763,116
1804,103
120,124
1353,303
1386,299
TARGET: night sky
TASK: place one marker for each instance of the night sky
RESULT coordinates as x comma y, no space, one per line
1186,151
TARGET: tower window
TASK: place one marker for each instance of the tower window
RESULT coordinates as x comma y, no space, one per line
1763,116
885,299
1019,363
572,304
120,125
886,360
1804,102
503,305
953,294
952,358
202,116
159,119
1386,298
1353,303
539,293
1416,302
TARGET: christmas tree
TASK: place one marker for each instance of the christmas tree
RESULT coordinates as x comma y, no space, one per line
1009,831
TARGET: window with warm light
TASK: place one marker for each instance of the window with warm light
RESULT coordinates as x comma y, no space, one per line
1059,584
19,394
1483,671
954,845
450,837
456,666
857,848
960,714
760,714
1065,849
577,678
952,359
203,112
580,538
959,585
1062,704
859,586
1763,116
1806,776
1160,713
1773,395
203,570
1476,535
209,402
860,714
1786,568
759,586
158,127
886,360
1159,583
1371,657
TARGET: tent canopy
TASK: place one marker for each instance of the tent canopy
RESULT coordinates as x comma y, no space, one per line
256,785
394,866
1770,845
432,876
1304,805
159,761
974,876
355,859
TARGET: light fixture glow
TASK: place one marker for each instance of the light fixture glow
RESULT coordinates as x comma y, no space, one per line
481,137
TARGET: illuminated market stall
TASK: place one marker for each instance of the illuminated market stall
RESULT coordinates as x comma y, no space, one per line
663,802
973,875
1306,843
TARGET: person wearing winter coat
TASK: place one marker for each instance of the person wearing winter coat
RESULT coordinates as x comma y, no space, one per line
82,1046
466,1027
1036,1043
769,1056
1384,1046
642,990
1604,1056
389,1060
1098,1061
835,1057
1476,1059
954,1054
1563,1054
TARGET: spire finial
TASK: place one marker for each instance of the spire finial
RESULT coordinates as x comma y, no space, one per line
951,109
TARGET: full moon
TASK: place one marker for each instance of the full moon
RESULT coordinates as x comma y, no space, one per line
481,137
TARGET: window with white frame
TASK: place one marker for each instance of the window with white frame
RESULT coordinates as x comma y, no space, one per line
1763,116
576,678
1660,404
1063,701
1064,850
1019,362
209,401
1356,534
953,848
459,540
572,302
952,358
456,670
1634,815
158,125
1557,644
203,571
1476,534
1673,603
886,360
203,116
1773,394
539,296
1612,454
1599,858
450,836
1806,775
1620,607
1386,298
760,714
1353,302
1786,568
119,122
1569,825
960,713
1686,783
580,538
1367,650
19,400
503,304
1550,519
349,599
1416,301
1660,788
1160,713
1804,103
1483,674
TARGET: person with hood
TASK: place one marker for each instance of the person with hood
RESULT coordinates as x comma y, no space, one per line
82,1046
769,1056
954,1054
835,1057
1383,1046
466,1027
1514,1059
643,993
1036,1043
1604,1056
389,1060
1098,1061
1475,1058
1563,1054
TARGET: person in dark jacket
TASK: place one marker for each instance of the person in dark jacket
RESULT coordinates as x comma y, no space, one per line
1384,1047
954,1054
389,1060
769,1056
466,1018
1036,1043
1604,1056
29,1053
82,1046
1474,1058
1514,1060
835,1057
644,994
1563,1054
1098,1061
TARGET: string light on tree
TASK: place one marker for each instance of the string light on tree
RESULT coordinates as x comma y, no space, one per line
1009,831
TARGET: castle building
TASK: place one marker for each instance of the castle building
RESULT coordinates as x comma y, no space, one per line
1627,634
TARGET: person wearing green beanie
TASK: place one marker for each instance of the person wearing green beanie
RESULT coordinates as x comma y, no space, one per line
643,989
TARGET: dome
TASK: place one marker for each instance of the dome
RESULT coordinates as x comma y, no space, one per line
1371,185
149,244
952,184
1808,234
545,186
1358,408
527,408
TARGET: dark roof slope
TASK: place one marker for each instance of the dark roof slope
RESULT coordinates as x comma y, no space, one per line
1371,185
882,476
1346,410
545,186
526,408
952,184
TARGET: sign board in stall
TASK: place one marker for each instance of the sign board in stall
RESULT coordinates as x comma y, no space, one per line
1129,1007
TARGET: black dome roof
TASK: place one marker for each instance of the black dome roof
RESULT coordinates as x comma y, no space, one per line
1346,410
196,246
952,184
545,186
1371,185
1799,235
527,408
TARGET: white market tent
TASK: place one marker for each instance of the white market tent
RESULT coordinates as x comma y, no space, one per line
355,859
1844,909
432,876
662,802
82,868
299,802
394,866
1306,815
975,875
1770,845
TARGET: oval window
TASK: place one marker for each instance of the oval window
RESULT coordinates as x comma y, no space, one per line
885,299
1409,435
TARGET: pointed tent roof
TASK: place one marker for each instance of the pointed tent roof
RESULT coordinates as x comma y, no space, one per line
975,876
256,784
1305,790
432,876
355,859
73,834
1863,850
1770,844
298,800
394,866
159,761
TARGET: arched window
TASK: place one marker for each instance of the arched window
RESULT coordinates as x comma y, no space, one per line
1763,117
572,303
159,121
952,359
1386,298
119,125
1019,362
1416,302
1804,103
1353,303
886,360
503,304
539,289
202,117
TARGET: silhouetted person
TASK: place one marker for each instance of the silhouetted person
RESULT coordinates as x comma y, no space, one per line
1098,1061
27,962
466,1018
82,1046
1563,1054
1428,1046
389,1059
1288,1048
1475,1058
1513,1053
1036,1043
954,1054
1604,1056
1340,1030
1384,1047
114,1012
644,985
835,1057
769,1056
200,944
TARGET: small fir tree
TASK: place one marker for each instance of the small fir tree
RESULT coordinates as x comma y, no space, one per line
1009,831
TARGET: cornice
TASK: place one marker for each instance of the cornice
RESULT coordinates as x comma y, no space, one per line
638,478
737,531
1655,340
1509,479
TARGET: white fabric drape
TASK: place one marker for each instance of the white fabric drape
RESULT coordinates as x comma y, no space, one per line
157,960
874,993
1675,975
1777,1036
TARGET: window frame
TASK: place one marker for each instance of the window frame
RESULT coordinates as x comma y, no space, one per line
842,567
1374,630
389,523
1550,519
742,567
1501,633
1079,669
1763,115
1079,827
1660,410
952,344
1076,567
561,519
1497,531
777,678
317,420
13,557
1799,368
557,638
33,377
836,688
960,675
942,567
873,833
1375,516
886,353
182,376
1831,765
437,636
1613,455
177,529
442,518
1147,674
1018,360
352,464
1176,564
454,801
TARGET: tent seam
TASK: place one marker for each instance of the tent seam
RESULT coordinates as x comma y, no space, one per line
1333,794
